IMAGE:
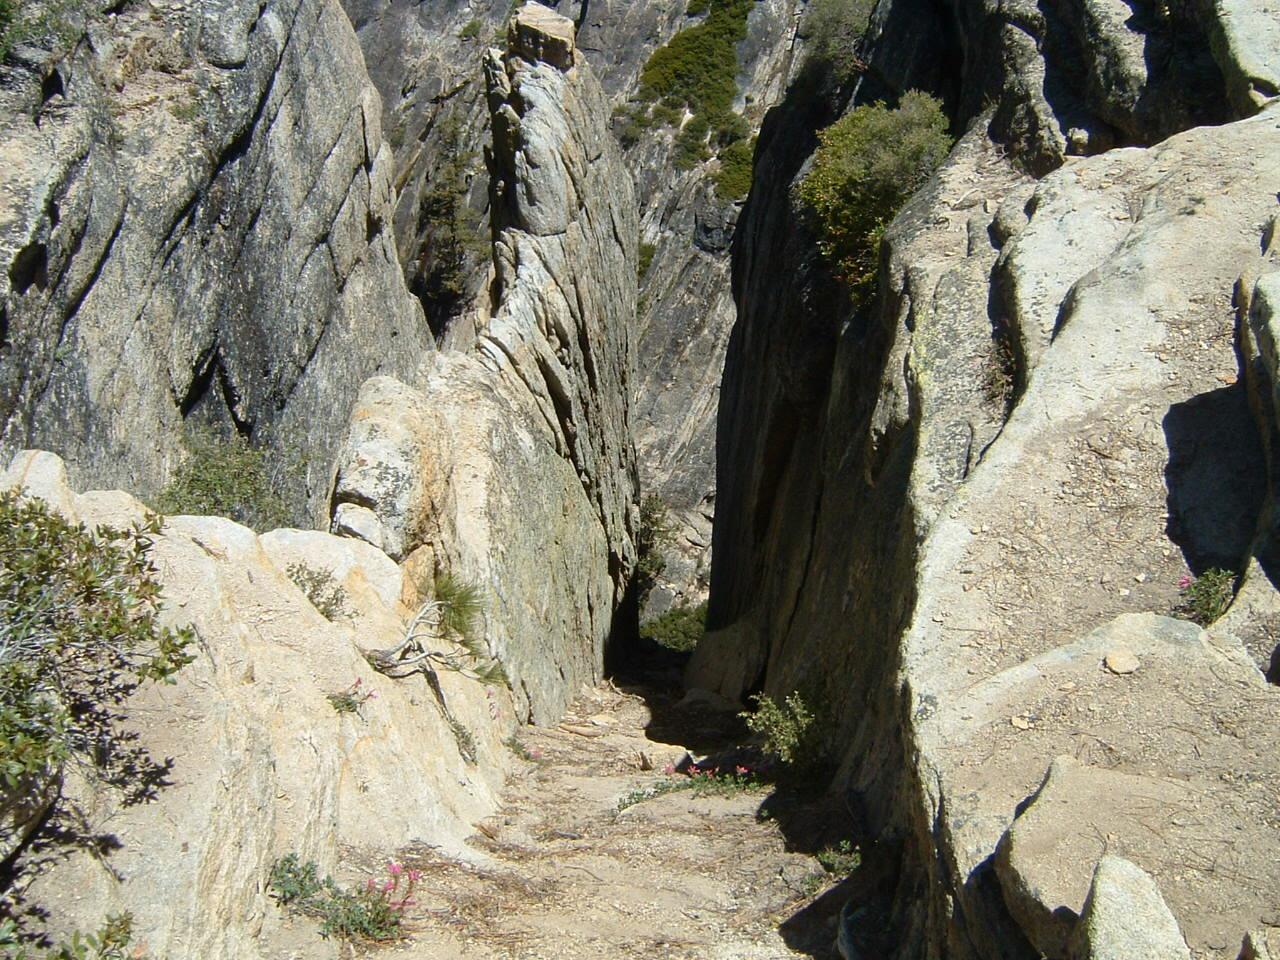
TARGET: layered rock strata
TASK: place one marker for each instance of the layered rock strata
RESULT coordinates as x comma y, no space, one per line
511,464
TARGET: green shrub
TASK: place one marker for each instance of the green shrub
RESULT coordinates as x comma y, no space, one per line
351,699
733,181
680,628
791,733
867,164
223,477
110,942
698,67
471,31
1207,597
451,240
833,29
655,533
697,8
371,914
646,253
79,631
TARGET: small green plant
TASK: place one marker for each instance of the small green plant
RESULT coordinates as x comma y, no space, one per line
733,181
840,860
371,914
471,31
520,750
697,8
701,781
680,628
79,630
833,29
1206,598
655,532
324,592
351,699
110,942
645,259
224,477
788,729
867,164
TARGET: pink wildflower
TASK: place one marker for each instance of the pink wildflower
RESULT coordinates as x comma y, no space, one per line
395,869
370,884
388,885
669,769
371,695
414,875
741,771
1184,582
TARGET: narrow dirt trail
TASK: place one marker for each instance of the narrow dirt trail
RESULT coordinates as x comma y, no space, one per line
563,874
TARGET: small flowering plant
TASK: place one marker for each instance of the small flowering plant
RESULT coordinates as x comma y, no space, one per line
351,699
373,913
1205,598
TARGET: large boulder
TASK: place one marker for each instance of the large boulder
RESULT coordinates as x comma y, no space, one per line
1125,918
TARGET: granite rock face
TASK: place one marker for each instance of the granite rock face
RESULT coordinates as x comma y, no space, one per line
512,463
928,507
196,223
244,760
426,62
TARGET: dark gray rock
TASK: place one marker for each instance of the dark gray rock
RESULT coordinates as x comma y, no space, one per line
195,222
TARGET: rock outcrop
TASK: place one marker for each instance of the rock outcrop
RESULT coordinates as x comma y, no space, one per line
244,760
927,508
426,62
195,222
512,464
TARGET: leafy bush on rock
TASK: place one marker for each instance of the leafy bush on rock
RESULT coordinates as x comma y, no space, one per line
867,165
79,630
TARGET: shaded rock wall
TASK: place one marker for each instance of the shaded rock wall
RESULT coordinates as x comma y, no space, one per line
1039,427
196,222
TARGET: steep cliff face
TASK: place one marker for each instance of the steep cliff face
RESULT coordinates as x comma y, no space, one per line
196,223
937,516
425,61
512,463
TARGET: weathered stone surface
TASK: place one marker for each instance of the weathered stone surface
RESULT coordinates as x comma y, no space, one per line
23,806
512,464
1125,918
260,764
539,33
1039,427
195,223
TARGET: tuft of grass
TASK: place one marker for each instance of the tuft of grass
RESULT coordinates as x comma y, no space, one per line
681,628
1207,597
224,477
471,31
351,699
867,164
840,860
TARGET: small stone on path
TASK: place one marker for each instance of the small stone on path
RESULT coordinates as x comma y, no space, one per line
1121,661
